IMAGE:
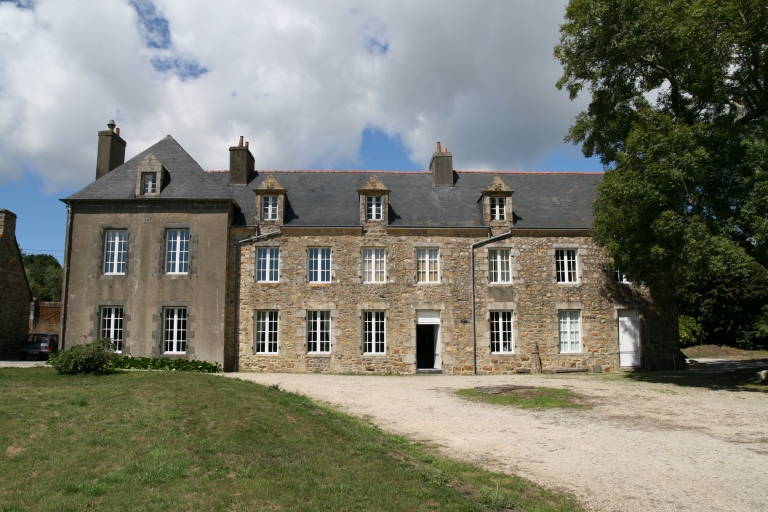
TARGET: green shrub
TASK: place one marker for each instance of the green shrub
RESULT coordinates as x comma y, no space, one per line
691,331
163,363
93,357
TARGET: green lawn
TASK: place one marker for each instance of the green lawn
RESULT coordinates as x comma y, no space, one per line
537,398
186,441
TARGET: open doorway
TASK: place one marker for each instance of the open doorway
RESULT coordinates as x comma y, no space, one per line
428,342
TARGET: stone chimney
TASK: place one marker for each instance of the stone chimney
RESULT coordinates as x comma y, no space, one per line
111,150
7,224
441,166
240,164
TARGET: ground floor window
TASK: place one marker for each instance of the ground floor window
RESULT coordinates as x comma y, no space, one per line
373,332
175,332
112,327
266,332
570,332
501,332
318,332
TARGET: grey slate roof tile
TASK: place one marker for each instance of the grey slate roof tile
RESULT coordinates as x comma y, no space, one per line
329,198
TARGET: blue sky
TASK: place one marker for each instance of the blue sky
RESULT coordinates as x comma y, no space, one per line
341,84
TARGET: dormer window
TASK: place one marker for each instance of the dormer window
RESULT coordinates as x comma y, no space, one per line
148,183
498,205
269,208
373,207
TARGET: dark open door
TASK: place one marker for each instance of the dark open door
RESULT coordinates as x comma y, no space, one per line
425,346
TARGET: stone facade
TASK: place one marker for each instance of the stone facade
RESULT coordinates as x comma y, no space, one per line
15,296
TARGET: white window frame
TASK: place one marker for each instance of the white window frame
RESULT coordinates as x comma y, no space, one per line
374,332
374,207
569,327
112,326
177,251
115,251
566,266
267,330
498,208
175,330
318,332
498,259
426,259
267,264
269,207
374,265
148,183
502,332
319,265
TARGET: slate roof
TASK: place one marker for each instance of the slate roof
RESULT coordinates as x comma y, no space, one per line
330,198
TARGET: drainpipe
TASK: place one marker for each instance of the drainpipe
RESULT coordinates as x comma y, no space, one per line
65,279
237,288
472,271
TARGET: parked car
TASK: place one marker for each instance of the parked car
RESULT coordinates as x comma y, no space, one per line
39,345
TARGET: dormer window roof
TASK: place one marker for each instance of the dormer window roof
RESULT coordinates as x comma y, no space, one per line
497,203
149,177
374,201
270,203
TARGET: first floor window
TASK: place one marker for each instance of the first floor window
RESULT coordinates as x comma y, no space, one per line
318,332
373,208
112,327
320,265
269,208
427,266
498,266
175,332
565,265
268,265
114,251
177,252
373,332
501,332
570,333
497,208
373,266
266,332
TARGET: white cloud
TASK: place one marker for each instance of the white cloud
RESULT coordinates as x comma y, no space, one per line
299,79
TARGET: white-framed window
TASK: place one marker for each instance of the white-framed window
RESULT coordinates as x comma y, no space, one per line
319,264
177,251
373,332
268,207
115,247
498,208
501,332
620,277
149,183
373,208
570,331
267,264
175,331
266,332
318,332
374,266
565,265
427,265
499,266
112,326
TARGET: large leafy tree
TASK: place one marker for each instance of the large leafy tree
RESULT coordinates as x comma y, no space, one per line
679,117
44,274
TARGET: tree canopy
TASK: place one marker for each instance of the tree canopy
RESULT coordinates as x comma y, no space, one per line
679,118
44,275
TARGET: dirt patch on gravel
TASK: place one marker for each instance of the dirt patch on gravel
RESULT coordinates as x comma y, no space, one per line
641,446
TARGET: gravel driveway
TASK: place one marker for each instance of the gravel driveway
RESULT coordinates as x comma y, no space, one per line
643,446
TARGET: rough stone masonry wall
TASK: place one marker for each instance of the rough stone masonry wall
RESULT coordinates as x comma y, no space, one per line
533,295
14,290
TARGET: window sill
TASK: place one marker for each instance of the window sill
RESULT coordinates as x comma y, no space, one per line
577,283
318,354
268,283
325,283
576,352
377,354
428,283
507,283
504,353
266,354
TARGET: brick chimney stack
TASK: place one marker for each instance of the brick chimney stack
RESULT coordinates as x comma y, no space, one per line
241,164
441,166
111,152
7,224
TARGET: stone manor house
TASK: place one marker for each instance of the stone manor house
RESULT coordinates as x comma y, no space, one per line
350,271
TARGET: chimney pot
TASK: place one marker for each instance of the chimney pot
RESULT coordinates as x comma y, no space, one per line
438,147
111,124
117,131
246,144
240,144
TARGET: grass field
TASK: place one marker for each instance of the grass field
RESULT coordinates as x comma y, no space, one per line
185,441
538,398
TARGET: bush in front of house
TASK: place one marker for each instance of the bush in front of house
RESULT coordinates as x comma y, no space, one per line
163,363
89,358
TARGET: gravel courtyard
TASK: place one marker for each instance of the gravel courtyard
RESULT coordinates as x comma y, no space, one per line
642,446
